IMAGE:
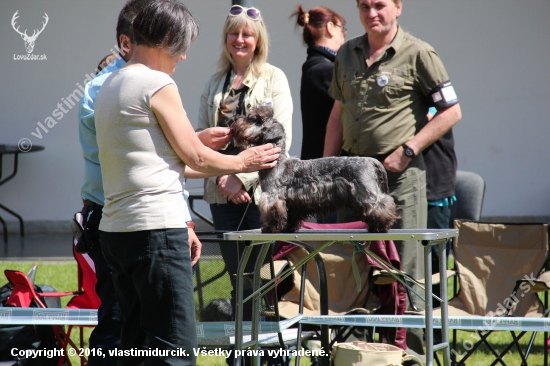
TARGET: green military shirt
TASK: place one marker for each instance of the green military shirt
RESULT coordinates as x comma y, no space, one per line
384,105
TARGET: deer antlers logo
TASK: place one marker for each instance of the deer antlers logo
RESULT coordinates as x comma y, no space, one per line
29,40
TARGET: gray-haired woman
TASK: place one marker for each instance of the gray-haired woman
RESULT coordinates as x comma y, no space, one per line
145,141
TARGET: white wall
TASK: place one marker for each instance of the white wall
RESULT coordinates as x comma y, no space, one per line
495,51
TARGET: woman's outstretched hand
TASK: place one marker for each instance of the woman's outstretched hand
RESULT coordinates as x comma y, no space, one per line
260,157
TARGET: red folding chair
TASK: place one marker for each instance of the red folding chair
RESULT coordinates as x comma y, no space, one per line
86,297
23,295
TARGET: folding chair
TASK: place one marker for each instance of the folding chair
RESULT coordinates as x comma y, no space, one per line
498,266
469,192
85,297
23,295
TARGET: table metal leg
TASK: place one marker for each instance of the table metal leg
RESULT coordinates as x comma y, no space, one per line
257,301
429,304
239,286
5,227
444,303
21,224
200,215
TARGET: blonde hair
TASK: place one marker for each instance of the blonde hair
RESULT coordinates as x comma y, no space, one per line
236,23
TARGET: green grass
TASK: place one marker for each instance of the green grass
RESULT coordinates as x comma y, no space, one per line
63,277
218,289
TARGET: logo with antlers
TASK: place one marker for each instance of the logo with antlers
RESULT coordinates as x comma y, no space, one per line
29,40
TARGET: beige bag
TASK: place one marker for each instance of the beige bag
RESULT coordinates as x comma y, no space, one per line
369,354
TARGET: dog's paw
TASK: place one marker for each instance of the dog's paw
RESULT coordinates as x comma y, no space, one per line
266,229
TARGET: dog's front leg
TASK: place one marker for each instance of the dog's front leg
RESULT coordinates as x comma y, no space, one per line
274,214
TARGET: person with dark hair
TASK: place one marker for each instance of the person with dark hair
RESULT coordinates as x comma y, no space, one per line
145,141
324,32
106,335
383,84
244,80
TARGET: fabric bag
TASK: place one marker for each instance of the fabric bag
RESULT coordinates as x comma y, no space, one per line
361,353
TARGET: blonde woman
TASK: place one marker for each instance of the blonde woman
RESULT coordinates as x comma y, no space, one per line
244,80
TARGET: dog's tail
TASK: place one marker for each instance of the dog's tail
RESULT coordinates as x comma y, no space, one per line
383,213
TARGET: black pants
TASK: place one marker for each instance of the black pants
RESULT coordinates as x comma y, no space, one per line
438,218
106,335
154,285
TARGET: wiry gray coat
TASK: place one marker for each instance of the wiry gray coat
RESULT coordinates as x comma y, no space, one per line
296,189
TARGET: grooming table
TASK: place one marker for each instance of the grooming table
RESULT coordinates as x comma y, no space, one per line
427,237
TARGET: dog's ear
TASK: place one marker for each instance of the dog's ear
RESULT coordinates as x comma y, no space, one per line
259,115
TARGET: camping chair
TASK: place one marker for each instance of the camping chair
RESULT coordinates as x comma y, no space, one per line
469,192
86,297
499,264
23,295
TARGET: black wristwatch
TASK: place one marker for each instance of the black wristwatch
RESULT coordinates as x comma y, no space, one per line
408,151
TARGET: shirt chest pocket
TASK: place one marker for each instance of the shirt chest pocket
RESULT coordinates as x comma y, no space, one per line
389,88
351,86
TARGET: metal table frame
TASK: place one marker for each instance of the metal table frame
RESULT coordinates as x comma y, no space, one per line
197,193
15,150
427,237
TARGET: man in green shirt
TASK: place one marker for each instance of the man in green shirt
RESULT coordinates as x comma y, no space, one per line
383,84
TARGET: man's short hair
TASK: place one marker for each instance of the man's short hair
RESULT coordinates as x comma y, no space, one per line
165,24
126,17
396,2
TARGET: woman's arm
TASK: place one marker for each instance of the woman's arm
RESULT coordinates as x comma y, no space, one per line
167,106
193,174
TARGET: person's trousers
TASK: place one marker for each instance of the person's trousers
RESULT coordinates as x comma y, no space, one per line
154,286
106,335
438,218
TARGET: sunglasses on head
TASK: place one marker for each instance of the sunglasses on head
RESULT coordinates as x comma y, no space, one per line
251,13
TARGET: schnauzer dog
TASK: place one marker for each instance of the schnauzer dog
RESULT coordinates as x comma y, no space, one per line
296,189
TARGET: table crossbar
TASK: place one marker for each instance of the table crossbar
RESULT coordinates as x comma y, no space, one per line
471,323
88,317
49,316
